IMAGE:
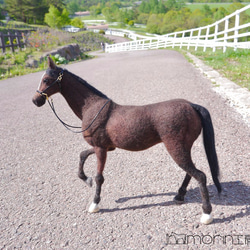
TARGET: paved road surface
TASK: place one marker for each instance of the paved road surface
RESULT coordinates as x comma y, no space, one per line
43,203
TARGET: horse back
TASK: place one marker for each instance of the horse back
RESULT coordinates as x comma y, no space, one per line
140,127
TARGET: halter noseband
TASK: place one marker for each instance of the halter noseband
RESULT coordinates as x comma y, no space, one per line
58,80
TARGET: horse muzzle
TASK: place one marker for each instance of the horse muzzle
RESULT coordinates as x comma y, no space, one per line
39,100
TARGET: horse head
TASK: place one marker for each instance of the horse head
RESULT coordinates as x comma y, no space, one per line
50,83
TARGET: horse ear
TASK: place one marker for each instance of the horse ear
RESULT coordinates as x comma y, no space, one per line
51,63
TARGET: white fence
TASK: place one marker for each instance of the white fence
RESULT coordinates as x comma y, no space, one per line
227,32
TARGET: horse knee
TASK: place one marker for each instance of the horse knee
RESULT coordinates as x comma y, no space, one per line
200,177
85,154
99,179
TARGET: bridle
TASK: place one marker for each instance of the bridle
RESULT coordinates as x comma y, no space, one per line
51,104
58,80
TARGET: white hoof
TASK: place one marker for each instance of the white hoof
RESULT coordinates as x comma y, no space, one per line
89,181
206,219
94,208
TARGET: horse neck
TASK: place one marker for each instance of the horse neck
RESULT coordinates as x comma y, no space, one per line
78,94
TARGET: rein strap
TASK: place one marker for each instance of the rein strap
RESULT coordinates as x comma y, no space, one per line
67,126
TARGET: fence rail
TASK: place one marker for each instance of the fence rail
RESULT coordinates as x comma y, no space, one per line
227,32
12,40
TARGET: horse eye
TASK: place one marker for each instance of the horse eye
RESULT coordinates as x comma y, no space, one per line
45,80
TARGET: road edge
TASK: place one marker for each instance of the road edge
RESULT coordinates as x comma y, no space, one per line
236,96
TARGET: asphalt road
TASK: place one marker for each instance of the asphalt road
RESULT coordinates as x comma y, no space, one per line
43,204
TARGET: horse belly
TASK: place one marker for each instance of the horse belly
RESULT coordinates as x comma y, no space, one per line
134,136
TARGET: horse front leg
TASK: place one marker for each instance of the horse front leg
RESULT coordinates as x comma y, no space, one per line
101,155
83,157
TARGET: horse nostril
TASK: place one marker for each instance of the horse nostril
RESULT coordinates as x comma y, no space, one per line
34,101
38,101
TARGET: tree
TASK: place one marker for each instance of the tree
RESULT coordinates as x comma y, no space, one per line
235,6
154,23
30,11
57,19
35,11
207,11
169,23
144,7
77,22
73,7
175,21
16,9
131,23
195,19
95,10
107,13
220,13
59,4
161,8
143,18
171,4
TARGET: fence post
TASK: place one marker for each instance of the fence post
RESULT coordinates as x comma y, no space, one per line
190,38
236,31
225,35
198,39
215,35
2,42
10,36
18,40
157,45
174,40
24,41
206,38
182,38
165,39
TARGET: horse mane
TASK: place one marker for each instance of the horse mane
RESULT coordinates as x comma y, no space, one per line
53,73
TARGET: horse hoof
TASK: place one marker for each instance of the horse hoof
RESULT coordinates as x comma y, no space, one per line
206,219
93,208
89,181
178,200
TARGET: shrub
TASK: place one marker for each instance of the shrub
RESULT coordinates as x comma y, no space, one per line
59,59
41,39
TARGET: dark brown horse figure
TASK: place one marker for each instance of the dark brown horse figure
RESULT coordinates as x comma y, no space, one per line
107,125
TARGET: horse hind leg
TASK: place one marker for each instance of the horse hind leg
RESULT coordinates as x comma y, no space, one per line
183,158
206,217
83,157
179,198
202,180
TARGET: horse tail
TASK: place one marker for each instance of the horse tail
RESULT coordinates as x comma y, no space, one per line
209,143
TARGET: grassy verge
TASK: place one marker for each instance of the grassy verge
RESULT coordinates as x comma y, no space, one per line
195,6
233,65
14,64
43,41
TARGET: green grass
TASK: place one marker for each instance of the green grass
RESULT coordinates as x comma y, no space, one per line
194,6
234,65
